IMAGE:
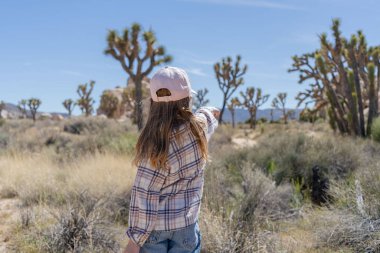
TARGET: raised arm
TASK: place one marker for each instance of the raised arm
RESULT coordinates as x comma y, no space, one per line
210,115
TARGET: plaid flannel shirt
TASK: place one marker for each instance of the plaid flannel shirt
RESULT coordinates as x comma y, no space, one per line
170,199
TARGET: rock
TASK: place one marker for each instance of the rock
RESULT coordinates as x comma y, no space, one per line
45,115
8,115
101,116
126,110
57,117
4,114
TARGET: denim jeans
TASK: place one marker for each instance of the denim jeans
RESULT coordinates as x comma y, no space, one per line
186,240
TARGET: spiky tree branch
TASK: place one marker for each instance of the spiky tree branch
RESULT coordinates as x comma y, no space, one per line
199,99
85,101
33,104
229,76
127,50
22,104
252,100
349,77
232,105
279,103
69,105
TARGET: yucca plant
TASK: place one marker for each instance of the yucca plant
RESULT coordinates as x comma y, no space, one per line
229,75
137,63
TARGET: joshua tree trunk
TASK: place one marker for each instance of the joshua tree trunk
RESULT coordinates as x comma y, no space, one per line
372,105
138,107
253,120
233,118
358,92
222,110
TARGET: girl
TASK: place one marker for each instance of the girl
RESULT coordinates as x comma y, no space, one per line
171,153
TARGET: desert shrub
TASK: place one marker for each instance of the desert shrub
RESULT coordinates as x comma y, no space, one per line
238,191
8,192
221,138
262,199
262,120
92,125
80,229
342,229
4,140
68,139
289,158
223,175
2,121
292,156
369,178
224,235
376,129
26,218
117,207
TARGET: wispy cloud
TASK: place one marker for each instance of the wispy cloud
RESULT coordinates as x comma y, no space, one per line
202,62
252,3
185,56
71,73
196,71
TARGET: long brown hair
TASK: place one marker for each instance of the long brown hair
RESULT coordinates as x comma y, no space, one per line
154,140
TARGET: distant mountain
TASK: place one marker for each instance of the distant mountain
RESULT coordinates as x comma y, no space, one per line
12,111
242,115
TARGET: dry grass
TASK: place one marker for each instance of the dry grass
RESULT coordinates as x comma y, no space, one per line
47,188
59,177
36,178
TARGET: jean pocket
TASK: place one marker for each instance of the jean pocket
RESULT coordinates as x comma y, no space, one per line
191,237
153,237
190,243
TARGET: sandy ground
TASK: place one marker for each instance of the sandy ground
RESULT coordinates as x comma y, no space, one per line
245,138
8,217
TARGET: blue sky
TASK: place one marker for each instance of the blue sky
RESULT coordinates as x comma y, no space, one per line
47,47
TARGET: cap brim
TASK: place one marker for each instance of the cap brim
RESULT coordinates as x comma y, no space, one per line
193,92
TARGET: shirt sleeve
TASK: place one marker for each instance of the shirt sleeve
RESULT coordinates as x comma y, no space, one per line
211,122
144,202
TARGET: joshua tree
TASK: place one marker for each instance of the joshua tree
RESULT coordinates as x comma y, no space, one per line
128,101
109,104
229,76
69,105
345,76
279,103
271,116
2,107
252,100
22,107
33,104
127,49
200,99
232,105
85,101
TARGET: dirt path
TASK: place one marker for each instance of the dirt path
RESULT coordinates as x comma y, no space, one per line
243,142
8,216
245,138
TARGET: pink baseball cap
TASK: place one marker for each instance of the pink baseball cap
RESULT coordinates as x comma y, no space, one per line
175,80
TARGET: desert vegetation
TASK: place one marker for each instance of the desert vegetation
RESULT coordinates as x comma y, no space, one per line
311,185
345,83
71,181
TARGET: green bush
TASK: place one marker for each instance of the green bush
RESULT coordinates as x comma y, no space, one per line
376,129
